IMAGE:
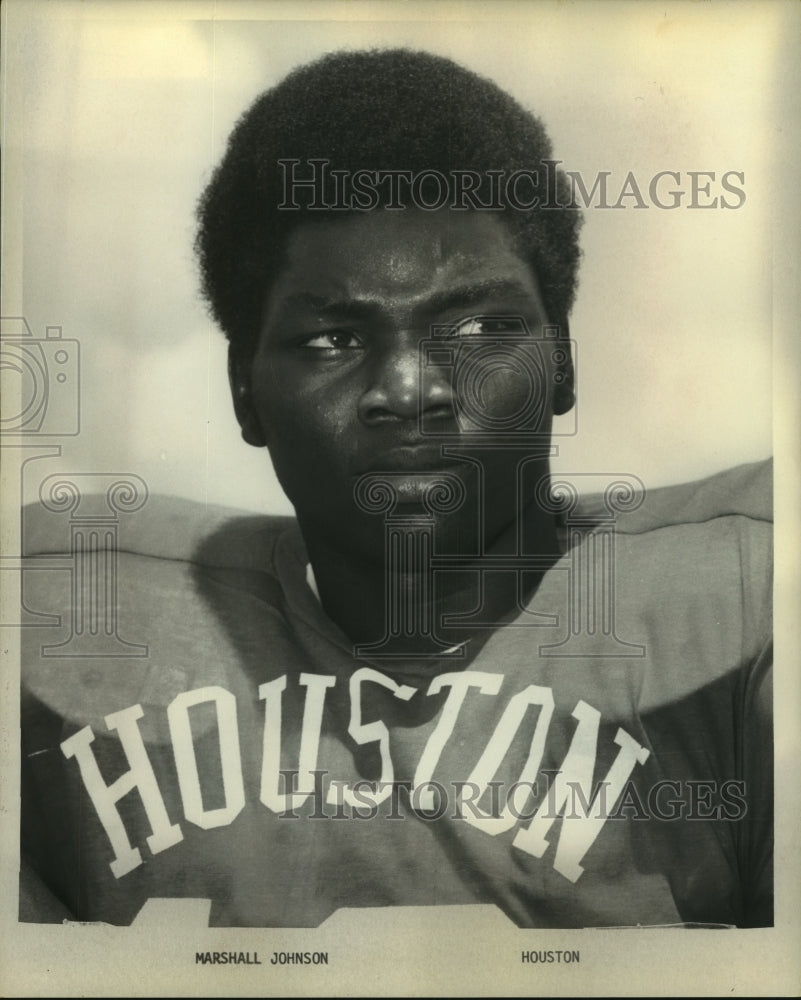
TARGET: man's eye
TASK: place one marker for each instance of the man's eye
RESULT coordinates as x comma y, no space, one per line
476,326
333,340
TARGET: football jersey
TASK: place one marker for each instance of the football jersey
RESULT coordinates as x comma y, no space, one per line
604,758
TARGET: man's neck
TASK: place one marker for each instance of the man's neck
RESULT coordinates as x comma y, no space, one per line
402,606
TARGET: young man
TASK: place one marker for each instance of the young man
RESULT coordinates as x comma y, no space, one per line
449,683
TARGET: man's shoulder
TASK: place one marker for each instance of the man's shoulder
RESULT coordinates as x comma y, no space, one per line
169,528
745,491
164,599
699,552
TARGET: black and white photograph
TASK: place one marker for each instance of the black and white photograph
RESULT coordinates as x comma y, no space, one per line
399,423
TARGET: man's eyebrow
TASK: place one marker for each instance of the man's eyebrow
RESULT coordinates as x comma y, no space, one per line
324,304
465,296
461,297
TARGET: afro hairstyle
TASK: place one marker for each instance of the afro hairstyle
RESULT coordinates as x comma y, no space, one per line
390,109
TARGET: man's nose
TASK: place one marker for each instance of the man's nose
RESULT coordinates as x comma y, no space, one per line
401,388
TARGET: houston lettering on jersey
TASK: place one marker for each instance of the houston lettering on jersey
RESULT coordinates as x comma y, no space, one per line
577,833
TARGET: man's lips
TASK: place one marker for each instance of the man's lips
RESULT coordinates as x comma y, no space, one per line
425,457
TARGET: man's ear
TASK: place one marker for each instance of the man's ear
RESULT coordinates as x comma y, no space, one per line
239,377
564,395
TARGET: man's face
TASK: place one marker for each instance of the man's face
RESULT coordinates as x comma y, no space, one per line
336,388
